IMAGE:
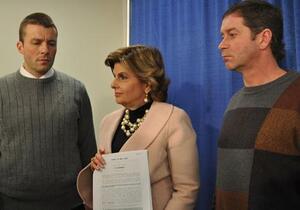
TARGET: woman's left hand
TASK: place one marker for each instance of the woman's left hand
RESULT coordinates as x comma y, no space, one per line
98,162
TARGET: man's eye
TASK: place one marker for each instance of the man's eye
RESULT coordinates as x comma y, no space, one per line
53,44
232,35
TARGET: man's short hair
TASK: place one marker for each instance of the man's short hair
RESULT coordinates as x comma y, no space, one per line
35,19
259,15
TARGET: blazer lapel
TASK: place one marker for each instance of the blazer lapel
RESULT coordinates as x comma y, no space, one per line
109,129
155,120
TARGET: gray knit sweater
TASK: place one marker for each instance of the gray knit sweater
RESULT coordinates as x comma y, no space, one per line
259,148
46,137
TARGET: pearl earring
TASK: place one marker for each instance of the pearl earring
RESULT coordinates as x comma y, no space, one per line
146,100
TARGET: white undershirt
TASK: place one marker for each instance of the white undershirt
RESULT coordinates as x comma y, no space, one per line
25,73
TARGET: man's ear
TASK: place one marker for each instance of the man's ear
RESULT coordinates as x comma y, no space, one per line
264,38
20,47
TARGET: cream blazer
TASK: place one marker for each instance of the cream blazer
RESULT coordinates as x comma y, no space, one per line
169,137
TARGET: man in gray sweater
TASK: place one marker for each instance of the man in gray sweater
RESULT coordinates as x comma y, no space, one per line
46,126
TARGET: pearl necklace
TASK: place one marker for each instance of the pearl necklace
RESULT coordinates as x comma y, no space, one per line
128,127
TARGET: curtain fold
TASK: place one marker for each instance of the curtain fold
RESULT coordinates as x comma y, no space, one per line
188,33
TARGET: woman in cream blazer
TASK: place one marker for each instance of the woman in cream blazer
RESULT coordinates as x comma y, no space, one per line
166,133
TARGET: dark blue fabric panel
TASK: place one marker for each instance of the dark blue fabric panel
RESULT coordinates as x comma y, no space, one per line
187,33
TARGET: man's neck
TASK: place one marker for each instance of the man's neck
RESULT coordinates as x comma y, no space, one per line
262,72
29,74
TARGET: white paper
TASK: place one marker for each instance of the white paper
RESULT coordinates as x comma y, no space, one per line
124,183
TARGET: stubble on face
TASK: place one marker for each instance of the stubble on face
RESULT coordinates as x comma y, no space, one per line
238,48
38,49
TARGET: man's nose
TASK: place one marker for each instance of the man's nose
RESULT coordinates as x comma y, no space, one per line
223,44
44,48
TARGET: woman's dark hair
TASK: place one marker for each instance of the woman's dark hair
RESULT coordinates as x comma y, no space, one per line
147,64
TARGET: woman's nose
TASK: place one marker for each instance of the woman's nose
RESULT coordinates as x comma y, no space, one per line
113,83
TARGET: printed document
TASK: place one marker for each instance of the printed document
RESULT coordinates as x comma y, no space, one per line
124,183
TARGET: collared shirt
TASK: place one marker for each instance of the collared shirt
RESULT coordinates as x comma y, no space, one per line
25,73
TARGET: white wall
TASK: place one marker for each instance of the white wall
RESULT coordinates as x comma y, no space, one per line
87,31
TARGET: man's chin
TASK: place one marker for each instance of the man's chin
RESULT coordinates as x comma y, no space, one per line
232,68
44,69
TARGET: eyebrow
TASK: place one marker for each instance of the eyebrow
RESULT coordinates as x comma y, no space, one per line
229,30
122,72
38,39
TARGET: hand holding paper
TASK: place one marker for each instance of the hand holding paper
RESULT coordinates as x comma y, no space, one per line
124,183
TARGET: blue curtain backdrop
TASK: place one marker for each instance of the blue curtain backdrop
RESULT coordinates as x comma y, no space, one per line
187,33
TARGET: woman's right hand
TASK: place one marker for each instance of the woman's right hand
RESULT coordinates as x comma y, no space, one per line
98,162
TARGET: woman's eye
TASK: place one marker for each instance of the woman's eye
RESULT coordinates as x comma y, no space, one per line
122,77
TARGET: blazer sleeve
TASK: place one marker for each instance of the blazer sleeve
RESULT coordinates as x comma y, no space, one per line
85,185
183,160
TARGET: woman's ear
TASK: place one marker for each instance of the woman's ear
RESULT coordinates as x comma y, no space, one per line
147,88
